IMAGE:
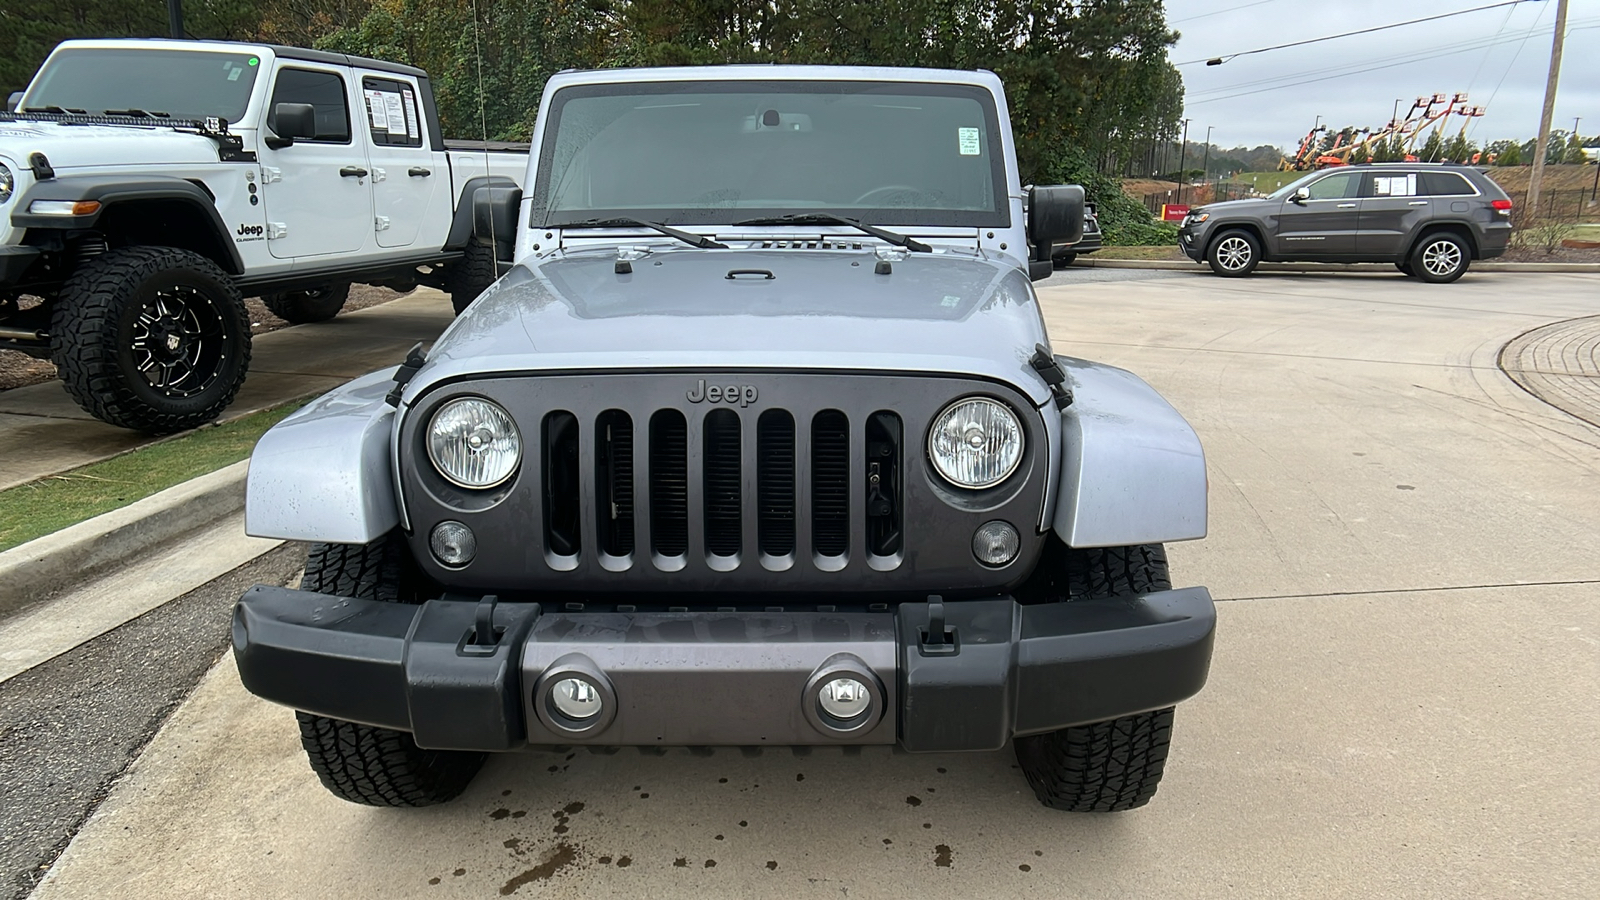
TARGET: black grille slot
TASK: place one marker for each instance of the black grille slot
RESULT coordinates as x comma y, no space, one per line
830,483
613,477
775,482
883,483
722,482
669,483
561,490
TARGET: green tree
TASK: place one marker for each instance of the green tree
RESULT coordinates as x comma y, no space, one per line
1510,154
1360,155
1433,148
1573,155
1459,149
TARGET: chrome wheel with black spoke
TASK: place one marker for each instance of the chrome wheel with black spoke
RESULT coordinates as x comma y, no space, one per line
1234,254
151,338
1440,258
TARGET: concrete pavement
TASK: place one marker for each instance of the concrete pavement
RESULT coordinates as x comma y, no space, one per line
1402,704
43,432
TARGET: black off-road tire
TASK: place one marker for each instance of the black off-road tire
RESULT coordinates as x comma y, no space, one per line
363,763
1062,260
1441,257
1114,765
110,345
471,276
303,307
1234,254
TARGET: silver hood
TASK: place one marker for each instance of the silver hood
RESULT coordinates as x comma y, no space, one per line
820,309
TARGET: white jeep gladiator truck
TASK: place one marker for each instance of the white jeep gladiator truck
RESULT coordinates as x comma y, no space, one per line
146,186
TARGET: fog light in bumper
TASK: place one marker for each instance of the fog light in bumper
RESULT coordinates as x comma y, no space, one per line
453,544
844,698
576,699
996,543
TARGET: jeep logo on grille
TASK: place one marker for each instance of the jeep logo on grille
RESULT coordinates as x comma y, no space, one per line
742,394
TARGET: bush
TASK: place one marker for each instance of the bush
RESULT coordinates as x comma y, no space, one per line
1546,235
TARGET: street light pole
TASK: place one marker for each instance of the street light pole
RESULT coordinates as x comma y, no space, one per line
175,18
1205,167
1183,149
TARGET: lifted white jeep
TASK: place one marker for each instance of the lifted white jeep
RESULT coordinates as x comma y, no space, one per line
146,186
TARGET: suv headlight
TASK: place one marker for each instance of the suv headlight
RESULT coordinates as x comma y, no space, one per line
473,443
976,443
8,183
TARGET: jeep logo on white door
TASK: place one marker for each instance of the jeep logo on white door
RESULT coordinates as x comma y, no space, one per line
742,394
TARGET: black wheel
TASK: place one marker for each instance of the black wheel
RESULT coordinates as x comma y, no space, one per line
362,763
1234,254
466,279
151,338
1440,258
1106,766
1062,260
317,305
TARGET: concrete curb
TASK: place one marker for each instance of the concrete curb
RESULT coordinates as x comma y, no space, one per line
1178,265
50,564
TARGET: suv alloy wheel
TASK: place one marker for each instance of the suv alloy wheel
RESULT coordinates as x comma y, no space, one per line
1234,254
1440,258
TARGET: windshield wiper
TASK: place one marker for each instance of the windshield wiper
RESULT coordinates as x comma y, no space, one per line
693,240
58,110
137,113
899,240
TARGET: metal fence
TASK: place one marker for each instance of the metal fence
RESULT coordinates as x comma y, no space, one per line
1558,205
1198,194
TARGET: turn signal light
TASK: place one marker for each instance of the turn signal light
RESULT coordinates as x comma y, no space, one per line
64,207
1500,204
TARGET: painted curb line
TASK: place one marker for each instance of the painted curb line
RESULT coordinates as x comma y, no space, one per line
50,564
1178,265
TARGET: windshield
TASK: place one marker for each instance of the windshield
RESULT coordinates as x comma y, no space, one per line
185,84
1294,185
716,153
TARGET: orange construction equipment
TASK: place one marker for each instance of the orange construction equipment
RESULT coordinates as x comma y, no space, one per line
1427,112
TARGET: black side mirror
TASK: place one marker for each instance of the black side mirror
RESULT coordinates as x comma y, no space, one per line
13,101
494,218
1301,195
1055,216
290,121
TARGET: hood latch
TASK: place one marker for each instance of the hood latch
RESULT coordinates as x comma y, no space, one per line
1053,374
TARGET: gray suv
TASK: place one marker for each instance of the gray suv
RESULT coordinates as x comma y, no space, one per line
1431,221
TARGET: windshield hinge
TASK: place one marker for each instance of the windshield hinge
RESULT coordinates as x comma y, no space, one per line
404,374
1049,368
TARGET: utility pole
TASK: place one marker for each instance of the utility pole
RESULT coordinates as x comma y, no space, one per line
1205,167
1536,177
175,18
1183,149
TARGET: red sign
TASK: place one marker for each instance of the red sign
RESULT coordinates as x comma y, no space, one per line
1173,212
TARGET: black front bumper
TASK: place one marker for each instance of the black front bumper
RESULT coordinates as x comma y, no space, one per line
14,261
1191,243
723,678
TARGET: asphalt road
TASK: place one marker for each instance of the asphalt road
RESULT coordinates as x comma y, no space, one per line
1403,699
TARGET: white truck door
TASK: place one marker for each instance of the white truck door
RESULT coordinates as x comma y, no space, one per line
405,171
318,193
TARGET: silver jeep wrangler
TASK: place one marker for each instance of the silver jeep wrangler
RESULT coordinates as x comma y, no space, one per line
759,443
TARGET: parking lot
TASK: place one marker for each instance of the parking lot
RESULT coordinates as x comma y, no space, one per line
1403,699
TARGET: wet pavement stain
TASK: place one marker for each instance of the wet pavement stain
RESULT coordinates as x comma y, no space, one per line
500,813
681,862
913,800
772,865
624,861
941,770
604,860
722,781
711,864
459,872
941,855
719,837
800,776
927,824
887,842
743,824
433,881
519,814
645,796
562,856
573,808
1025,867
506,792
512,844
1038,853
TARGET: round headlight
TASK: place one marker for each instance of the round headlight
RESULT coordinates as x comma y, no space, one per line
8,183
976,443
473,443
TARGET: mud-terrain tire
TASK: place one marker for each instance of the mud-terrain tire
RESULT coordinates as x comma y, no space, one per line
1114,765
1062,260
1234,254
471,276
151,338
363,763
1440,258
303,307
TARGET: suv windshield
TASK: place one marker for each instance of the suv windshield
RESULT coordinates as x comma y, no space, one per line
184,84
703,153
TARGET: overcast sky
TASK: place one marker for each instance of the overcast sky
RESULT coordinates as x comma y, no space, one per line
1499,57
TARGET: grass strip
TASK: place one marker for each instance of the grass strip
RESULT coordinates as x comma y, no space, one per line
54,502
1162,251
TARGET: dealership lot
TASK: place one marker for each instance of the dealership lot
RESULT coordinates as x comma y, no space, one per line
1402,702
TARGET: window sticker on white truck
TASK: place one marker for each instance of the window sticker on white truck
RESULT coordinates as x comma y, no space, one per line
377,112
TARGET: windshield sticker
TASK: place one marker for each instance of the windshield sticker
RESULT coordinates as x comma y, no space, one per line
969,141
376,110
411,113
234,72
254,61
950,301
397,117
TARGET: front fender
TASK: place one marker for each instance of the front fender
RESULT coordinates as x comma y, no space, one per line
325,473
1132,470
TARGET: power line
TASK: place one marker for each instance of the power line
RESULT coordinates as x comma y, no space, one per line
1218,60
1324,73
1474,126
1220,12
